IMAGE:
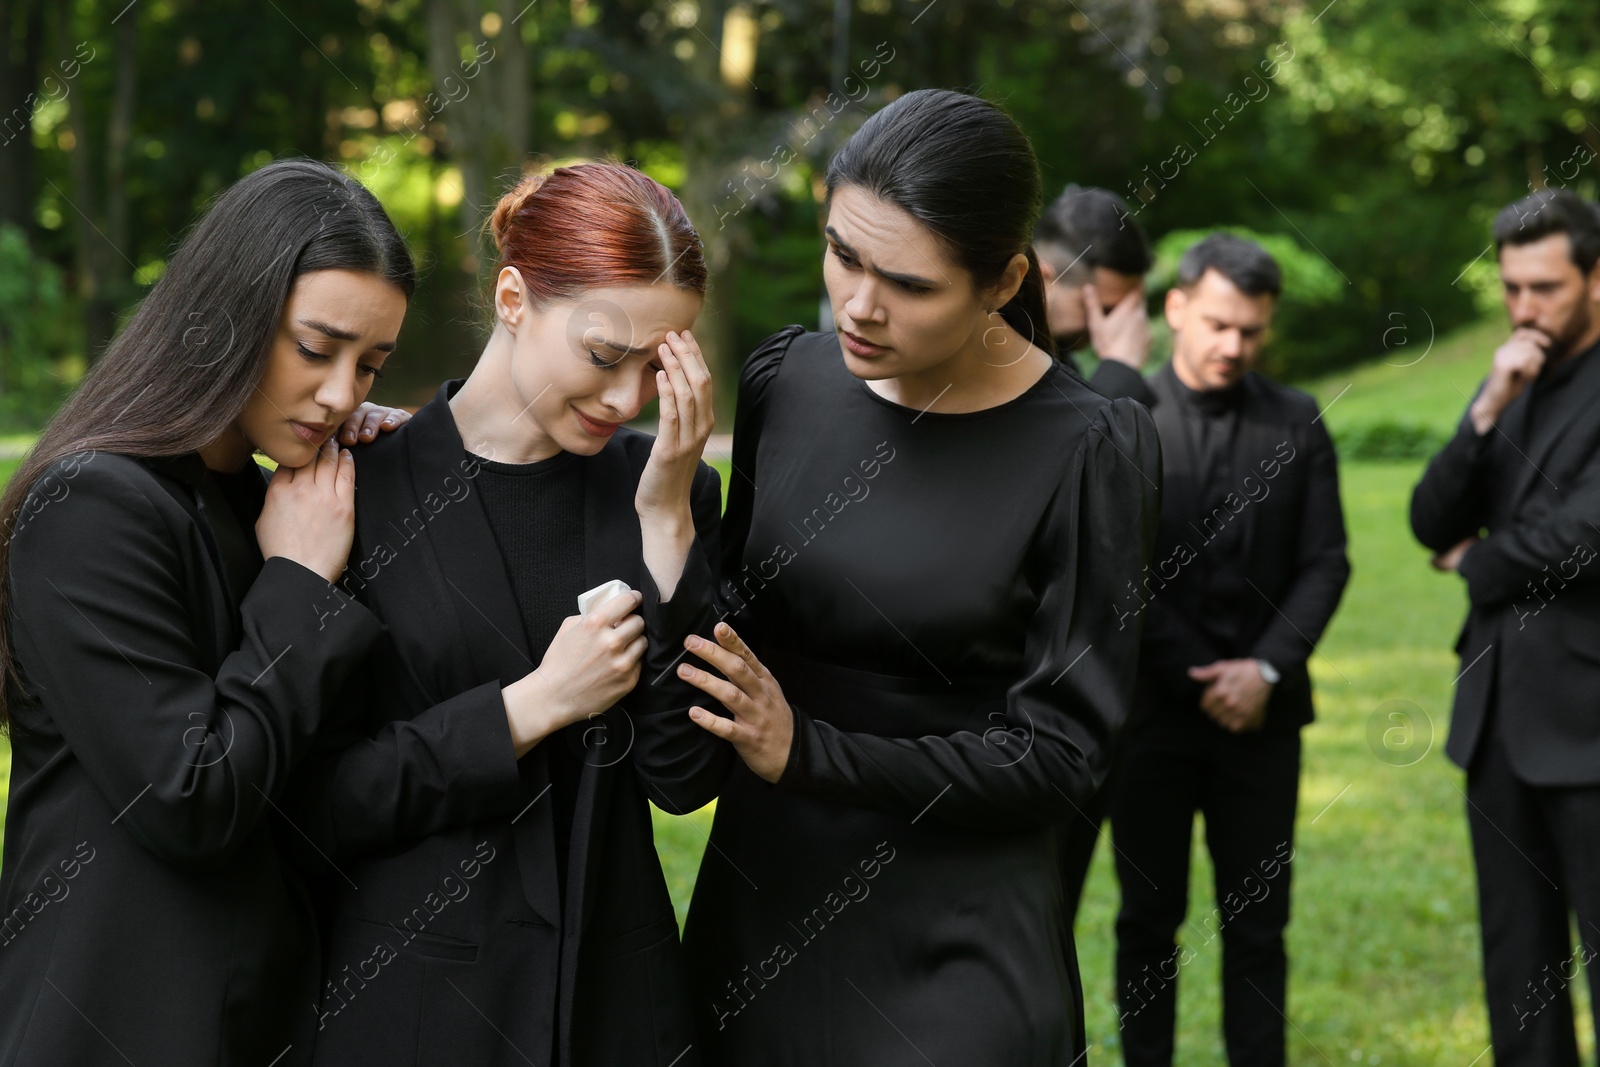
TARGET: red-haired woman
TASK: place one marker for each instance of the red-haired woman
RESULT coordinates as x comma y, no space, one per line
494,891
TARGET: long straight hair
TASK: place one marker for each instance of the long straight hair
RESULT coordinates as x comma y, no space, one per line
185,365
963,168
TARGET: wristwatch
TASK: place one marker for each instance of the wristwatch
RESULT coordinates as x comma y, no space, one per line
1269,673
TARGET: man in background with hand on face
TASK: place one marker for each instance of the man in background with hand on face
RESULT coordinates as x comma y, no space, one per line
1094,257
1248,568
1512,504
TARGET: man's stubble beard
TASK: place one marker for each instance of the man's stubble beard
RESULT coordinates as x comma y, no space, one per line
1564,345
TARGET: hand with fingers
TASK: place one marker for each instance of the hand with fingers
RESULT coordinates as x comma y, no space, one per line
686,422
310,512
368,420
1123,333
762,727
1236,694
593,662
666,520
1516,364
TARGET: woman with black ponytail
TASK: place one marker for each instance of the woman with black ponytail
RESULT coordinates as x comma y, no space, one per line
930,529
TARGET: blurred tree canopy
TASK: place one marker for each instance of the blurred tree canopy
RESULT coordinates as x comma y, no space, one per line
1371,141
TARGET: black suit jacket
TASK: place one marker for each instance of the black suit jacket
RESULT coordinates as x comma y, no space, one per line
1294,543
169,689
445,943
1531,642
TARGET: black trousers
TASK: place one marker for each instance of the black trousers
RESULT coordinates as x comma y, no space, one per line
1537,850
1246,786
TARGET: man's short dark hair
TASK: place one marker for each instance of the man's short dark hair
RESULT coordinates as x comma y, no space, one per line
1552,211
1093,228
1244,263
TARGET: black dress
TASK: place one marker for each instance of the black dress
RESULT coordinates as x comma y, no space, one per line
936,593
172,681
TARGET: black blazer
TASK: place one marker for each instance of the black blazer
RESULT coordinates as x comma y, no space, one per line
169,690
445,943
1294,540
1531,642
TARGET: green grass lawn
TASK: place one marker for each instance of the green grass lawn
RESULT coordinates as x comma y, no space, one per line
1421,383
1383,944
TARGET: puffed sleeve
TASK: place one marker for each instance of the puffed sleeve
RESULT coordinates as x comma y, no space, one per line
759,371
103,612
1061,717
1118,380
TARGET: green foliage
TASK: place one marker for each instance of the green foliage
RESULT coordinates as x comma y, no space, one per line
1308,278
1389,439
1370,140
34,317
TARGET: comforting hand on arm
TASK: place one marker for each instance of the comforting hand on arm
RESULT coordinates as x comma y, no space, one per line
762,727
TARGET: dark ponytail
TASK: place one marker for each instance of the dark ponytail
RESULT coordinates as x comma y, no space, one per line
962,167
1025,312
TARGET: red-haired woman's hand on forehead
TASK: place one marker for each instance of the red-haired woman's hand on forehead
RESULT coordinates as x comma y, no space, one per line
686,423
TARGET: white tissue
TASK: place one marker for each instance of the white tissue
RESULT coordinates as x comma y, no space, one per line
600,594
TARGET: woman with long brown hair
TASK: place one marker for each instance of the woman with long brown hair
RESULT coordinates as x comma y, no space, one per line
171,640
497,898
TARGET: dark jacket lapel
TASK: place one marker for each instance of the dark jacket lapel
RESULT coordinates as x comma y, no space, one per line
492,641
231,548
612,549
1585,381
1261,430
1180,498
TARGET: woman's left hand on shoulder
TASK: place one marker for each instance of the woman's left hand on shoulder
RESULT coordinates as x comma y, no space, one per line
686,422
762,727
368,420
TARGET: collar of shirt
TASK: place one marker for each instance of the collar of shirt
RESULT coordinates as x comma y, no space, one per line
1211,402
1555,375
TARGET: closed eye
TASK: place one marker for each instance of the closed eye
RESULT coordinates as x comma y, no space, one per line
366,370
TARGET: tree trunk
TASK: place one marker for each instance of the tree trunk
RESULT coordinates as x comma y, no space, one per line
483,103
119,130
93,252
706,195
21,48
